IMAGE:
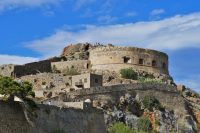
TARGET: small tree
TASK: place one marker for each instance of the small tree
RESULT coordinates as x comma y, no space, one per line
144,124
11,88
150,102
128,73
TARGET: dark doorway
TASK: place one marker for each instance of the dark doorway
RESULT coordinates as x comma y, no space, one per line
154,63
127,59
141,61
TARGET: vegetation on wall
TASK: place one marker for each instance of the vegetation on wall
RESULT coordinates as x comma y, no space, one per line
144,124
120,127
11,88
148,80
150,102
128,73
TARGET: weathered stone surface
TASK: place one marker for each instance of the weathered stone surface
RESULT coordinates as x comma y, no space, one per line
48,119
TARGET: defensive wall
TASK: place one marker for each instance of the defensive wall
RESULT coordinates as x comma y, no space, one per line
167,95
115,58
124,87
78,64
32,68
49,119
26,69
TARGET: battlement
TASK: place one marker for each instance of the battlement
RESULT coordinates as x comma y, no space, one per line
126,48
116,58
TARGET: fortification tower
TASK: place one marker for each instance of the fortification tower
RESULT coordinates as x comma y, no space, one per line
115,58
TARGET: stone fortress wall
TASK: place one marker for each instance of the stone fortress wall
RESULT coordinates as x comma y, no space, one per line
50,119
116,58
26,69
78,64
112,58
124,87
32,68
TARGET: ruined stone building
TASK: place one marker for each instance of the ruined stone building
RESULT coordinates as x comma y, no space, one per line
86,81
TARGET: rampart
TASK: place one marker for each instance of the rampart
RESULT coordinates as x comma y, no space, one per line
124,87
32,68
116,58
26,69
63,65
50,119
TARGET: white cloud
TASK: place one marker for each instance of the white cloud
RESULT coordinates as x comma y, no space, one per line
170,33
157,11
12,59
12,4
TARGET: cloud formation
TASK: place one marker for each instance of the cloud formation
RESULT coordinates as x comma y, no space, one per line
168,34
157,11
12,59
12,4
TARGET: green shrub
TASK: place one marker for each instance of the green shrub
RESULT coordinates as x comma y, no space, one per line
120,127
150,102
10,88
128,73
148,80
144,124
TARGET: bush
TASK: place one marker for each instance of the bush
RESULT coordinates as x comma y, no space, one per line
148,80
150,102
128,73
120,127
10,88
144,124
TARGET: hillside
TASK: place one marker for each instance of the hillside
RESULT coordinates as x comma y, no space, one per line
89,88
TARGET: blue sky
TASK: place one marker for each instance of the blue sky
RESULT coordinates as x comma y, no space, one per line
34,30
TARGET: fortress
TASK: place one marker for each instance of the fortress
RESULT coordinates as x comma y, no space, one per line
116,58
85,57
83,87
